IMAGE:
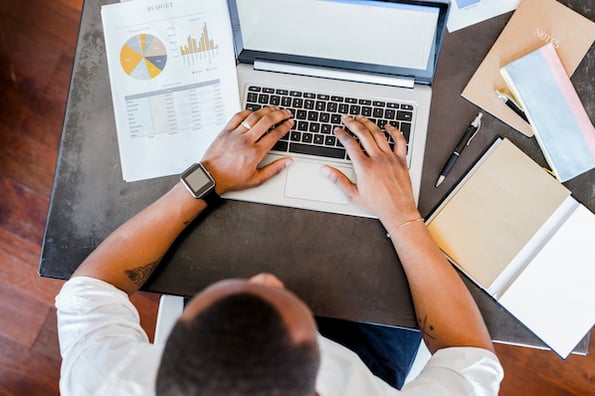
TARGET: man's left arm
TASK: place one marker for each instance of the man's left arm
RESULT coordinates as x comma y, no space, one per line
128,257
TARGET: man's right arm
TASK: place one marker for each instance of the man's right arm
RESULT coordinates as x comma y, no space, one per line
446,313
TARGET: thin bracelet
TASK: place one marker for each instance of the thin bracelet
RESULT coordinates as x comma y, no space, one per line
388,234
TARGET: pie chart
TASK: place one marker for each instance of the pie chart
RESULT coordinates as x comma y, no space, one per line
143,57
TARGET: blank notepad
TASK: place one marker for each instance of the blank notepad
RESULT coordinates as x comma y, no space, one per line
555,296
561,124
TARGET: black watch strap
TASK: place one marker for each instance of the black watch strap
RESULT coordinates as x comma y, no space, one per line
212,198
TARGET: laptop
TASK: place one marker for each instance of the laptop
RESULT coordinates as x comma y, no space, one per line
324,58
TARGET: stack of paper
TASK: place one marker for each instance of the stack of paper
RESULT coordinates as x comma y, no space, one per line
533,24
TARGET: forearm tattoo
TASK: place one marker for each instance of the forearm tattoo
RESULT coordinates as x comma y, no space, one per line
139,275
425,328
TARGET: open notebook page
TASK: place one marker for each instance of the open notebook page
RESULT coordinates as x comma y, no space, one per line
554,295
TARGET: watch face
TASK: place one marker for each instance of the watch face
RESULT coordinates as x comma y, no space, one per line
198,180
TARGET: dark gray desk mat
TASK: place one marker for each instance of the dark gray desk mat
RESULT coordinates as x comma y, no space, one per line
341,266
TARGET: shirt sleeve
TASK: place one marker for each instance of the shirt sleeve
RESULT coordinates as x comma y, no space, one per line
99,331
450,371
458,371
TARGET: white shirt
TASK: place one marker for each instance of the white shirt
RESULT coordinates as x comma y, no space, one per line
105,351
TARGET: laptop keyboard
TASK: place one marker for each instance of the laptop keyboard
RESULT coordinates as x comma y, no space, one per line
316,115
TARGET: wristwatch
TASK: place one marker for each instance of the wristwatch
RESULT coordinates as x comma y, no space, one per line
200,183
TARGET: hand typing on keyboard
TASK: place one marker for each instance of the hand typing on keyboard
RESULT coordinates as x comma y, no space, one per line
383,184
233,158
316,115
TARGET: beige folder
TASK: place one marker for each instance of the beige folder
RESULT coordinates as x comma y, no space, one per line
519,234
534,23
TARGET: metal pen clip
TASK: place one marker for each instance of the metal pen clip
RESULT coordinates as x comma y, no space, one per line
476,123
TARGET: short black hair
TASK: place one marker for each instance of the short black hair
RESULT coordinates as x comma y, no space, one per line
240,345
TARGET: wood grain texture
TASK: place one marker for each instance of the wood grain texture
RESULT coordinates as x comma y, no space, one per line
37,41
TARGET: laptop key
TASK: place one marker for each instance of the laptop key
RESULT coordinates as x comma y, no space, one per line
252,97
331,107
281,146
354,110
324,151
286,101
326,128
336,119
295,136
336,99
252,88
301,114
314,127
302,126
297,103
253,107
263,99
330,140
366,111
405,130
404,115
407,107
318,139
275,100
320,105
351,100
324,117
312,116
296,94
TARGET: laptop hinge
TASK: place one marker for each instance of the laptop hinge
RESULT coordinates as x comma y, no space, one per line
313,71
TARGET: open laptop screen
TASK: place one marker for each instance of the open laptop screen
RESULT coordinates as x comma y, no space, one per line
377,36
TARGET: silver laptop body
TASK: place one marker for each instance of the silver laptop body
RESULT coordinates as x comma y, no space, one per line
356,52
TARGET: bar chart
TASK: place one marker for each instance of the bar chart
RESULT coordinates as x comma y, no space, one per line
200,49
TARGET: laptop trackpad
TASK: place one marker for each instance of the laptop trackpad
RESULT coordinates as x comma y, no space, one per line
305,181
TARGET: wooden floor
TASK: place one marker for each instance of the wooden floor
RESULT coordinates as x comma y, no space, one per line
37,41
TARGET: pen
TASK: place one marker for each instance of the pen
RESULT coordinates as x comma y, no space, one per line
469,134
508,101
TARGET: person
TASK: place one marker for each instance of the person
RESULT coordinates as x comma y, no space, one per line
253,336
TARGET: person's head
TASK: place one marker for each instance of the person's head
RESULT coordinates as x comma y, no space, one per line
242,337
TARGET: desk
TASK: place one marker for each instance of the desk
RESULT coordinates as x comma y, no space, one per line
341,266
